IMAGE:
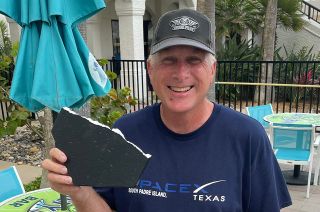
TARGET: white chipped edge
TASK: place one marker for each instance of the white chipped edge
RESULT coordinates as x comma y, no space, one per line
114,130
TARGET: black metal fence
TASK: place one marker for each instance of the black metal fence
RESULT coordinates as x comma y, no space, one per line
133,74
293,86
311,11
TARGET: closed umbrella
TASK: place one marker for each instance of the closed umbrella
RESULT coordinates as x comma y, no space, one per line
54,66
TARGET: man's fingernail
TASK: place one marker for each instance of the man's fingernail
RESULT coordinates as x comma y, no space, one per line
64,170
63,157
69,180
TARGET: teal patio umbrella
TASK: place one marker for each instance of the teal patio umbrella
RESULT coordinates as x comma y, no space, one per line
54,67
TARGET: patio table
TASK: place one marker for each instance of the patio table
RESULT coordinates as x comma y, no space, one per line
39,200
294,118
298,177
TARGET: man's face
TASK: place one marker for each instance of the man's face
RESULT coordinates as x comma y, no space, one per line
181,77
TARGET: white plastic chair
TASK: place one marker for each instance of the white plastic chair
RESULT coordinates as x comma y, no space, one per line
10,183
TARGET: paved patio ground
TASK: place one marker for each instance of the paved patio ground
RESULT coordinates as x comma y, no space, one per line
300,202
298,194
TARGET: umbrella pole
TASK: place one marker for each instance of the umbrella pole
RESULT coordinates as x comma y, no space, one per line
64,204
63,198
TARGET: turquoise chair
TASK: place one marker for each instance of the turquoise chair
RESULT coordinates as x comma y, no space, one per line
260,111
294,145
10,183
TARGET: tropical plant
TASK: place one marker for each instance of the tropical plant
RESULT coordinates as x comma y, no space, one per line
303,54
6,50
243,51
5,43
115,104
288,15
18,116
236,71
234,16
305,73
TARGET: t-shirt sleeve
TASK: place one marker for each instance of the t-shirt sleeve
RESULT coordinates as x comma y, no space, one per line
108,195
268,190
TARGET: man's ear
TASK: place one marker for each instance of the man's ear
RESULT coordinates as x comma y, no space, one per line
150,71
213,70
149,67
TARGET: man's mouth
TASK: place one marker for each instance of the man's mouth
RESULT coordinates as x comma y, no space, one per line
180,89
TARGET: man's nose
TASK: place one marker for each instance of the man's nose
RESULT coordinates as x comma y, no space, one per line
182,70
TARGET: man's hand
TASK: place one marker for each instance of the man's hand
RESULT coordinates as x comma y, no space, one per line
58,173
84,198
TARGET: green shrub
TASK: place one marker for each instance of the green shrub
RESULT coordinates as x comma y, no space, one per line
115,104
18,116
243,51
304,73
34,185
235,71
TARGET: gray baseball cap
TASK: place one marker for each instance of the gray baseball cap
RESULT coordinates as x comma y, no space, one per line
183,27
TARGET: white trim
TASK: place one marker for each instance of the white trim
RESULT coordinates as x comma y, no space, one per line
19,179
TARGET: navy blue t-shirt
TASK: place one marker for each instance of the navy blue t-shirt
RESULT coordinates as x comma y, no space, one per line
225,165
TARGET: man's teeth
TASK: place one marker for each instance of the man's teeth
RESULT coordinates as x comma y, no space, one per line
179,89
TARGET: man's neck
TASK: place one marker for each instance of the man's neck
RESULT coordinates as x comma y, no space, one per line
186,122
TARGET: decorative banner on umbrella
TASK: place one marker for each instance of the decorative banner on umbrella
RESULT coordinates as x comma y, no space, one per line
97,155
35,201
54,66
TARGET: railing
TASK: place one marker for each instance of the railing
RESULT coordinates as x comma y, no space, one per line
133,74
311,11
294,86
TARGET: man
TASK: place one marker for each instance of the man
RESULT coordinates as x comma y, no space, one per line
204,157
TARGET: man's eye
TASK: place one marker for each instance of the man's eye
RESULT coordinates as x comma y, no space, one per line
168,61
194,60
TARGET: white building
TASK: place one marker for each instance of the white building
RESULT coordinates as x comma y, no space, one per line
308,37
124,27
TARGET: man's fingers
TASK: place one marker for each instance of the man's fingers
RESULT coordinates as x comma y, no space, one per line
59,179
54,167
57,155
65,189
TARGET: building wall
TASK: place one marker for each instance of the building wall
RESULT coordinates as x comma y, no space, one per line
309,36
99,32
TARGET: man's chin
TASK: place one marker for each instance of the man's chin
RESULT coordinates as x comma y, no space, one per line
177,107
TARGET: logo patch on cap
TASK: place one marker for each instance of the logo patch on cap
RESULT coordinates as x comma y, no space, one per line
184,23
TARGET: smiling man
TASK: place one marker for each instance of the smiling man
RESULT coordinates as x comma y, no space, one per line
205,157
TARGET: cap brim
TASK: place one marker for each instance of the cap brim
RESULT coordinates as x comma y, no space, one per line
177,42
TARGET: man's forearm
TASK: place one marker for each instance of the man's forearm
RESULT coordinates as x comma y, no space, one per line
92,202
